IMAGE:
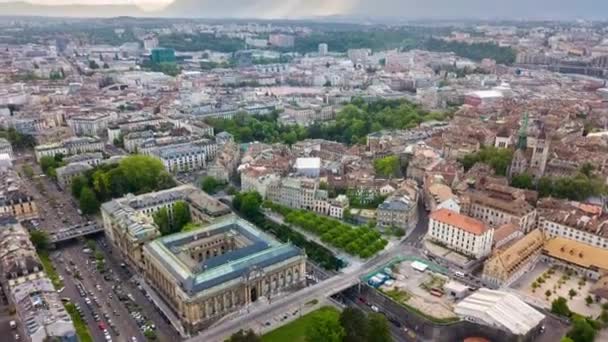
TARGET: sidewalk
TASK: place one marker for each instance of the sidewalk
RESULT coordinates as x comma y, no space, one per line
160,304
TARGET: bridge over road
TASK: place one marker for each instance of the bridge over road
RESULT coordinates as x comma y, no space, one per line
74,232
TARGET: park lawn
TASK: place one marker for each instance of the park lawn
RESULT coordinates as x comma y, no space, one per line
295,331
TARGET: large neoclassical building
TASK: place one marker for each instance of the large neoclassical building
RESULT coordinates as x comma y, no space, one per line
208,273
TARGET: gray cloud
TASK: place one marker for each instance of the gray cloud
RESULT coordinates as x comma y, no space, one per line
559,9
410,9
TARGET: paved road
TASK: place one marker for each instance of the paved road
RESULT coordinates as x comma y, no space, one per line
57,211
55,207
329,286
109,304
164,331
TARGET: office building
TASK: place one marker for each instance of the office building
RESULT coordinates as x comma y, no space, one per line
162,55
323,50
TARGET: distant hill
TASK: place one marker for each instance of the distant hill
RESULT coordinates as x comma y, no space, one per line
19,8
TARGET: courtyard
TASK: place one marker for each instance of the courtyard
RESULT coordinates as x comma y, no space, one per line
544,283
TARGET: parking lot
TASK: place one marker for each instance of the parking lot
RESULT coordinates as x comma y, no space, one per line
105,296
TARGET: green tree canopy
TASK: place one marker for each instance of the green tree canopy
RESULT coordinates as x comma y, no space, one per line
560,307
582,330
352,125
325,328
40,239
498,158
523,181
78,183
244,336
88,202
141,172
49,164
355,325
211,185
387,166
378,328
248,203
163,221
181,215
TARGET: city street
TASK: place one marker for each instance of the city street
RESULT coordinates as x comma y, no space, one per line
110,308
55,208
335,284
58,210
164,331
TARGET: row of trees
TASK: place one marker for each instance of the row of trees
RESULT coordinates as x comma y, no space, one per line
577,188
248,204
352,124
134,174
173,221
498,158
583,329
475,51
363,241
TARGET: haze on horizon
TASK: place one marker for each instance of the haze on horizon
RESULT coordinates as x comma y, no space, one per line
410,9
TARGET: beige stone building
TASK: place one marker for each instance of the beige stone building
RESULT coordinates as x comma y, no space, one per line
128,221
497,205
205,274
18,204
507,264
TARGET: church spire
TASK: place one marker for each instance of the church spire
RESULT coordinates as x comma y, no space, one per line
522,140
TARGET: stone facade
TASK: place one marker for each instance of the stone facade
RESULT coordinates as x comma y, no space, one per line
208,273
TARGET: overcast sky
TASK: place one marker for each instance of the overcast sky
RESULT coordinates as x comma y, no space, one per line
558,9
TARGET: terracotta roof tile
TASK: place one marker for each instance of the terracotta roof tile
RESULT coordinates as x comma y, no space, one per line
463,222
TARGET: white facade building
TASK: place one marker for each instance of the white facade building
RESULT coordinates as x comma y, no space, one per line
186,157
461,233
